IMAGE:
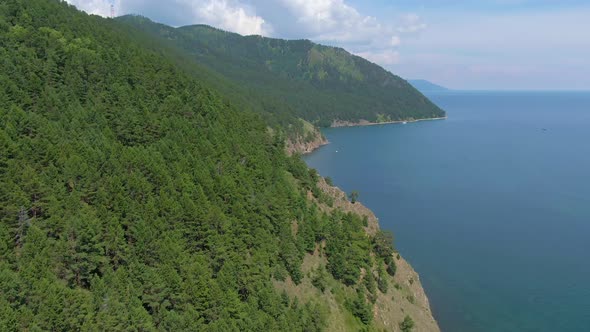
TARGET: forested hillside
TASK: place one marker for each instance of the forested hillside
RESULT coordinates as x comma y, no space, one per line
318,83
279,115
135,198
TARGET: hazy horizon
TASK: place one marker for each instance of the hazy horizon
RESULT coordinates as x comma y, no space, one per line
450,88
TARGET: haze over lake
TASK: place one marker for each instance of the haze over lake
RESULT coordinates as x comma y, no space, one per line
491,207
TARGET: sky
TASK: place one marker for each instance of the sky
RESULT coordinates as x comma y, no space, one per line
460,44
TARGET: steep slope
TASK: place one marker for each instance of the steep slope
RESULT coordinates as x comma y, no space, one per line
319,83
133,197
398,296
277,114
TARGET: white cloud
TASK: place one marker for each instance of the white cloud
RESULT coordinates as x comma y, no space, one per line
395,41
336,21
96,7
411,23
325,16
225,14
231,16
541,49
384,58
332,22
466,48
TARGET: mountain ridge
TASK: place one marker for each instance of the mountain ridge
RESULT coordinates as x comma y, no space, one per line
331,83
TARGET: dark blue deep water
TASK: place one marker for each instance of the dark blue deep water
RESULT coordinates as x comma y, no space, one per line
491,206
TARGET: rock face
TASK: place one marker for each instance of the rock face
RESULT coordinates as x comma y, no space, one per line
302,145
406,295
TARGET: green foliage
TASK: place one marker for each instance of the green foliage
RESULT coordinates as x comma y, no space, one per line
371,286
383,244
320,279
382,283
331,83
134,197
291,258
391,268
407,325
360,308
348,248
353,196
383,247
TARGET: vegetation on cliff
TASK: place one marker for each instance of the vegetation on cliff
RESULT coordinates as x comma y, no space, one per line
134,197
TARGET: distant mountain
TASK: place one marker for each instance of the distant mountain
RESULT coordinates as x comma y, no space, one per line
426,86
320,84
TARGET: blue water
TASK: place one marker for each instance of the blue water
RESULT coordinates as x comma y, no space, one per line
491,207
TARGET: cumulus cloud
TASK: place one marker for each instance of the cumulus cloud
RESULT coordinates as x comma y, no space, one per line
331,19
337,23
224,14
469,44
96,7
332,22
231,16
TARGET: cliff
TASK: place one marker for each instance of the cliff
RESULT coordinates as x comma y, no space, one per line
407,299
310,140
301,146
405,295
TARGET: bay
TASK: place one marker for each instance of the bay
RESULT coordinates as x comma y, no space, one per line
491,206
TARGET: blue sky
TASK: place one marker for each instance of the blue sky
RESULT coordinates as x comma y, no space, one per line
484,44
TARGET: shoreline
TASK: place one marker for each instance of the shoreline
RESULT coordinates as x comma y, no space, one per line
385,309
388,312
363,123
318,143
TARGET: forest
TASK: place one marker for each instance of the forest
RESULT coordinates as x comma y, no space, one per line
136,197
317,83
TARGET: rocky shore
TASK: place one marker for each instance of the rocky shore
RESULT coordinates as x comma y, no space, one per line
340,123
302,146
408,297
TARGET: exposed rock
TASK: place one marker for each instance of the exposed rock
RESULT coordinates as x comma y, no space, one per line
303,146
409,298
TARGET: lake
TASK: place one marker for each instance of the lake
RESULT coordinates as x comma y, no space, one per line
491,206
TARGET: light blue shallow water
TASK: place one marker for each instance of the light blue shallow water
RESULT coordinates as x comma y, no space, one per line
491,207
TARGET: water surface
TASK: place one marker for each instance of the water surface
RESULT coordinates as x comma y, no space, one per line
491,207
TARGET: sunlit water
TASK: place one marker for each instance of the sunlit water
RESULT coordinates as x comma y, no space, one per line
491,207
